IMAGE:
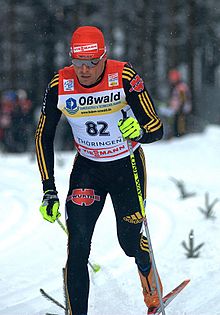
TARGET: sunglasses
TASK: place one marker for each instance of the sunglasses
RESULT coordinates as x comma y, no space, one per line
91,63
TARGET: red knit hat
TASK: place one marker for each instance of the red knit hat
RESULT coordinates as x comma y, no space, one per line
87,43
174,75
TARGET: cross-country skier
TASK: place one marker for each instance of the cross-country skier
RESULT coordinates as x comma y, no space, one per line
91,93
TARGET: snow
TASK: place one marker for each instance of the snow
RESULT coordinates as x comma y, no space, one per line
33,251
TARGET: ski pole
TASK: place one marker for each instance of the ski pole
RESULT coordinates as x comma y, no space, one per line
141,203
95,267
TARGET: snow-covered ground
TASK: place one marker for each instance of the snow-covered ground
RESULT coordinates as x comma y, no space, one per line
33,251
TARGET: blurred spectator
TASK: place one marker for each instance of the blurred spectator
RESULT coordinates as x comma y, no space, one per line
22,119
179,103
7,105
16,121
175,112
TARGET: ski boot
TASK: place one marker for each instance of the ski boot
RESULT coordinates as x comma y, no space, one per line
150,292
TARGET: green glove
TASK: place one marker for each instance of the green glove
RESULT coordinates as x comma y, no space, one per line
130,128
50,205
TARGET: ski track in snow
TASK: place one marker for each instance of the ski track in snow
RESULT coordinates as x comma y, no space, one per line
33,251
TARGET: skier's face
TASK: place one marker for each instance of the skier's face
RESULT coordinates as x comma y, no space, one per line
89,75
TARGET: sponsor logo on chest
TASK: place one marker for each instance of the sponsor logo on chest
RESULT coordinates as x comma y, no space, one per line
113,79
99,99
68,85
93,101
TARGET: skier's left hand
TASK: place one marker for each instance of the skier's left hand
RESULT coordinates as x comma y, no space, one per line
130,128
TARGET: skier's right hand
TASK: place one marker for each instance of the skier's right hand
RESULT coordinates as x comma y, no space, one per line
50,206
130,128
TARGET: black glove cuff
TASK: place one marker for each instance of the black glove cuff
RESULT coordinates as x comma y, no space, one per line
48,184
142,131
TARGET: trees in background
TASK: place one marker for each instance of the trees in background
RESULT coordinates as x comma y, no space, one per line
154,35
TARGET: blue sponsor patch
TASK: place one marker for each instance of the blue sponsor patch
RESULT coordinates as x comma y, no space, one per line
71,106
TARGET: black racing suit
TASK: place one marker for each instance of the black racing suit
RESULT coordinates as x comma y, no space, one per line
90,182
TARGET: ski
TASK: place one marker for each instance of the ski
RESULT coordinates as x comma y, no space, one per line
168,298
